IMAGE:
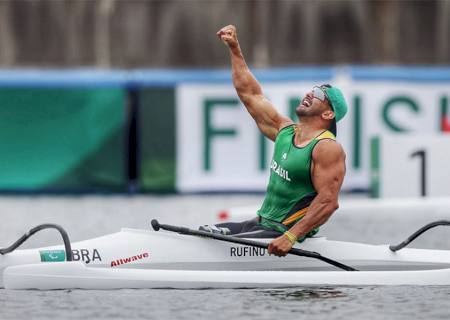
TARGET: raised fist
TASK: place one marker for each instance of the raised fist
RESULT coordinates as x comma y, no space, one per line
228,36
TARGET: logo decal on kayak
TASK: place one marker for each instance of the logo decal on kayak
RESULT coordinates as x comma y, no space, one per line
119,262
247,252
52,255
84,255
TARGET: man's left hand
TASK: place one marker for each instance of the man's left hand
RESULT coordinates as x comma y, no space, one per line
280,246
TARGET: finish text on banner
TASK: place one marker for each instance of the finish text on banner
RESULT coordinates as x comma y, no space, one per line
219,147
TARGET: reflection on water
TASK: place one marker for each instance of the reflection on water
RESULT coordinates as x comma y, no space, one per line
304,293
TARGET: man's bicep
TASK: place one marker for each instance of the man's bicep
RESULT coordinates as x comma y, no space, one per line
266,116
329,167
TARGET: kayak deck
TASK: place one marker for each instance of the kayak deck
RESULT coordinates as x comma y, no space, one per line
75,275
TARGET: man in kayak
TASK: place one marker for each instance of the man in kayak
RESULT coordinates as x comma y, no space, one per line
308,165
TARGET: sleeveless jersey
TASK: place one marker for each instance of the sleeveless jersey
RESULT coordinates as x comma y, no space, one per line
290,189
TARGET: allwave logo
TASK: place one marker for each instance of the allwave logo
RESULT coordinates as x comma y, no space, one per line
119,262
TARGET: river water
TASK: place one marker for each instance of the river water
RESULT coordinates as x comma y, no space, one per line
90,216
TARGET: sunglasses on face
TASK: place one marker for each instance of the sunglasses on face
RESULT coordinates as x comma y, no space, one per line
319,94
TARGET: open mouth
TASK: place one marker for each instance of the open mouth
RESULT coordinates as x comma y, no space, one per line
306,102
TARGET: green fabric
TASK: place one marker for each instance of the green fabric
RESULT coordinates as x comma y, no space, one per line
290,176
157,143
337,101
272,225
62,139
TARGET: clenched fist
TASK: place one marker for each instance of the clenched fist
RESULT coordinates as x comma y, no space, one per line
280,246
228,36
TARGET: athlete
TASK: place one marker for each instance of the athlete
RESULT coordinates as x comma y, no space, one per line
308,165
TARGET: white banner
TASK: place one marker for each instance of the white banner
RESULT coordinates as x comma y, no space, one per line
219,147
412,166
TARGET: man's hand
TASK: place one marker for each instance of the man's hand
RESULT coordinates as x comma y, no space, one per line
280,246
267,118
228,36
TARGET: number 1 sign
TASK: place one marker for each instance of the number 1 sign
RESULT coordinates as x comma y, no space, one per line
406,165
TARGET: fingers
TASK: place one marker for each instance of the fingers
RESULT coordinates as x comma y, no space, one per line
273,250
227,34
276,250
279,253
280,246
229,30
270,248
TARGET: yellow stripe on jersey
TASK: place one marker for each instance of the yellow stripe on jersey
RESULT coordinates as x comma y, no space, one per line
326,135
299,214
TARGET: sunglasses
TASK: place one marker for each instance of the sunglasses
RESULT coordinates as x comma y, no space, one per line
319,94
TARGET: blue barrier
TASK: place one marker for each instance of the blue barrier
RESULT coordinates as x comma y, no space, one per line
44,78
401,73
89,77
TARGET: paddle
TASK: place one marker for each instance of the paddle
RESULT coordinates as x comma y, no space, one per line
298,252
418,233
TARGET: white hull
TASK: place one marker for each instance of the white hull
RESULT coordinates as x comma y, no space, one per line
146,259
75,275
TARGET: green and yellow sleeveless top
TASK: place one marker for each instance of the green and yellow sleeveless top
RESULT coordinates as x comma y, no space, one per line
290,190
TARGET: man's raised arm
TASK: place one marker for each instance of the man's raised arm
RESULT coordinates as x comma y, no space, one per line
267,118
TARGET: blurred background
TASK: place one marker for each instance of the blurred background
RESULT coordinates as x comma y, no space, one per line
140,33
119,96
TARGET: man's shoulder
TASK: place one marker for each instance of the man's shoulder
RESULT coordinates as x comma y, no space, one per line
287,129
286,124
328,149
326,135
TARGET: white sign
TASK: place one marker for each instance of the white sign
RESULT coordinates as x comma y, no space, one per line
219,147
411,166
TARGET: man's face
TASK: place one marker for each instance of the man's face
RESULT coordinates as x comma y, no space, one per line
314,103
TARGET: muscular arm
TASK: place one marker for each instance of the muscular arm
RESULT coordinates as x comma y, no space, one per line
267,118
327,175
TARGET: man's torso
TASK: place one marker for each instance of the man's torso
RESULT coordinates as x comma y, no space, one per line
290,189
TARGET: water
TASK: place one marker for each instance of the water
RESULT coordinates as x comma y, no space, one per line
308,303
86,217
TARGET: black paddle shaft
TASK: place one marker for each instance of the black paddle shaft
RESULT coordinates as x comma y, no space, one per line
298,252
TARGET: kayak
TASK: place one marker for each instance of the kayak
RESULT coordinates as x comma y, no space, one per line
134,258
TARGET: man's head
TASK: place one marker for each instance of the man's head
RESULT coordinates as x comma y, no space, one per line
324,103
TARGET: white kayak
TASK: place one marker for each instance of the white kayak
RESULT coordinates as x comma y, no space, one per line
135,258
76,275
